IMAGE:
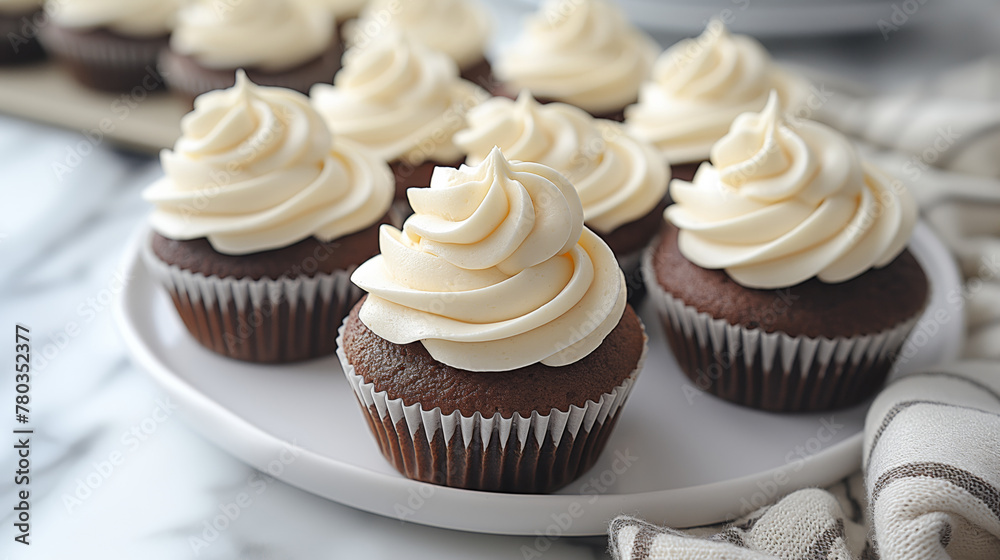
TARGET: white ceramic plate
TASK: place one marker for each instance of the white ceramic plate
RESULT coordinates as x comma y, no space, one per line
677,457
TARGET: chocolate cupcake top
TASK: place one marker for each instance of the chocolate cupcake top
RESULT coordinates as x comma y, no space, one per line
495,271
583,52
400,99
700,85
782,202
618,177
138,18
270,35
257,169
458,28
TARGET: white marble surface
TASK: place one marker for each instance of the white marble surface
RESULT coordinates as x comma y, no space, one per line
60,241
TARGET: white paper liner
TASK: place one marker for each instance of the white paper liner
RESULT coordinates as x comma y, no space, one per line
836,365
325,298
587,420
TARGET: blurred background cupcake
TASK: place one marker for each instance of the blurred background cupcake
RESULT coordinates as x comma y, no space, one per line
699,86
495,348
622,181
581,52
260,220
19,23
108,44
402,100
344,11
458,28
286,43
783,278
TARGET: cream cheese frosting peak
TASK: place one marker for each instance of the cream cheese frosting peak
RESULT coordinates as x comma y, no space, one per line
400,99
256,169
494,271
700,85
581,52
783,202
618,177
139,18
458,28
271,35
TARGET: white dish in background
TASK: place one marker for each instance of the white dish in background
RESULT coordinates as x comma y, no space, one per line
761,18
694,459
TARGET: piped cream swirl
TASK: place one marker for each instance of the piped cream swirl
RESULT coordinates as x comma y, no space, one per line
271,35
256,169
780,204
581,52
494,271
138,18
700,85
342,9
619,178
400,99
458,28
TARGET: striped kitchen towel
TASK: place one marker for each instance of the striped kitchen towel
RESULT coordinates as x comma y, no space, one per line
931,488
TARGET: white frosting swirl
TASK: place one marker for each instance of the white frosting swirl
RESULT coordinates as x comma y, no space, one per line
780,204
619,178
257,169
272,35
700,85
458,28
19,7
342,9
581,52
495,271
138,18
400,99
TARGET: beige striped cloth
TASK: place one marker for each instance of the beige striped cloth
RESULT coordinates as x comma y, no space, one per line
930,483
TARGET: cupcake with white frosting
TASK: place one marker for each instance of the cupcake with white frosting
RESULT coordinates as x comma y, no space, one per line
582,52
259,221
699,86
18,21
285,43
783,278
109,44
495,348
404,102
459,28
621,180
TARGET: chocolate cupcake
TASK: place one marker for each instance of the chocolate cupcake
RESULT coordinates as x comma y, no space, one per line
403,101
622,181
284,43
584,53
782,278
19,23
259,222
699,86
458,28
109,45
495,348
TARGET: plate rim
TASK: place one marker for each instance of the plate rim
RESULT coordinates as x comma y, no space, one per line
243,436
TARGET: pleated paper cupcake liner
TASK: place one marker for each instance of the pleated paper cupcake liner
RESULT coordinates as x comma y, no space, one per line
105,62
774,371
535,454
267,320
